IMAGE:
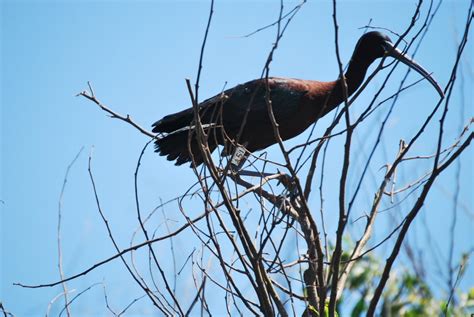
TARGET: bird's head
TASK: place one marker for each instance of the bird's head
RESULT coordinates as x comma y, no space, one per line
373,45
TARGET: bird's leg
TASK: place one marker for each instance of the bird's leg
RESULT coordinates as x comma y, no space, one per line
240,157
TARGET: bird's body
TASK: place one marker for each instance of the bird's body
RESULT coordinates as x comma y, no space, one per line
293,100
296,104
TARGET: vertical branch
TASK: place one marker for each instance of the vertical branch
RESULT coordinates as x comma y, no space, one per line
452,229
145,288
145,232
203,46
173,254
374,209
263,282
336,258
60,257
314,275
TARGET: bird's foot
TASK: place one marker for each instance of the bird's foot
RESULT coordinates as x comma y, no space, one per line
289,183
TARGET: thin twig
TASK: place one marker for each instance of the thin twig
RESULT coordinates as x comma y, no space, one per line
128,119
60,257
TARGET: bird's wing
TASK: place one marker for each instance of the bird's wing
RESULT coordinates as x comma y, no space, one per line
250,97
231,106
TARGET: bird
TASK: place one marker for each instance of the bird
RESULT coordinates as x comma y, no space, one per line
240,114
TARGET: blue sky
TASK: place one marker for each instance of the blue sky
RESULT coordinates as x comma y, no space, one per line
137,55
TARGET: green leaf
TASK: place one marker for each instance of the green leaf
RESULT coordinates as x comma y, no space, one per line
313,309
326,311
470,294
415,311
359,308
345,256
410,281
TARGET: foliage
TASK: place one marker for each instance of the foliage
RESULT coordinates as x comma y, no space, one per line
406,294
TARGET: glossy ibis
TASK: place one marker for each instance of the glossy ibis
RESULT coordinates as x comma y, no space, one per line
296,104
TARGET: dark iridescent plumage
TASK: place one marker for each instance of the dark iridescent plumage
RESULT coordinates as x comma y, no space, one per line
296,104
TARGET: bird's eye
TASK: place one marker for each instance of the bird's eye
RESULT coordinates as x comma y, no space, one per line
387,47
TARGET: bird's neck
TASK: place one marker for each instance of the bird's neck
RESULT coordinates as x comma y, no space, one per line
335,93
354,77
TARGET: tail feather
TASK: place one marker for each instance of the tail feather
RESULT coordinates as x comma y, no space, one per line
209,112
174,122
175,147
175,127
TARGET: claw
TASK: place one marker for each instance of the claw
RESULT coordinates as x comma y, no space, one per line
289,183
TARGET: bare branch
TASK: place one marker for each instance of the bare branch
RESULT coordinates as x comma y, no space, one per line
91,96
60,257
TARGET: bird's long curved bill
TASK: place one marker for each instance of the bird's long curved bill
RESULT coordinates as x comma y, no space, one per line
396,53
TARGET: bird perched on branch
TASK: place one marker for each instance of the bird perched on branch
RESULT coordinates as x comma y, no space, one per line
241,114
